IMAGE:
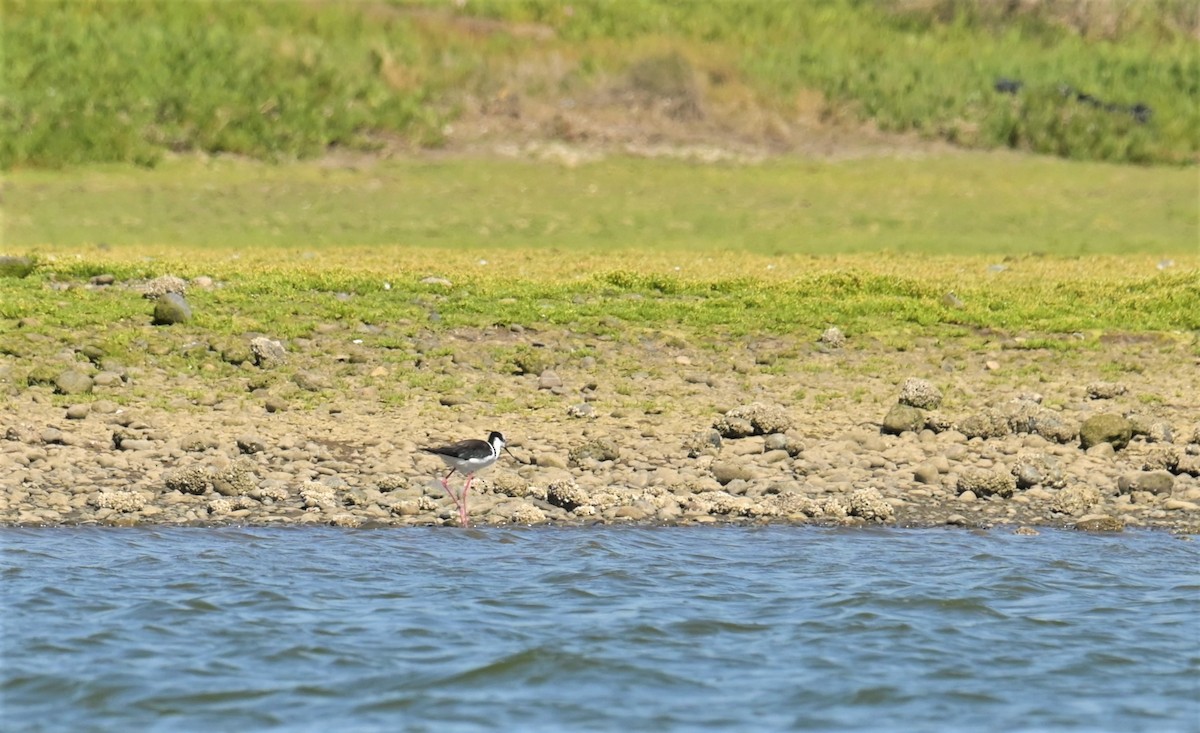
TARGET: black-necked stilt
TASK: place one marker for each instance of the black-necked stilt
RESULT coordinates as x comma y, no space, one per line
468,457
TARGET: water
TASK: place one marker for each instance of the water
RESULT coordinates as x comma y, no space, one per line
669,629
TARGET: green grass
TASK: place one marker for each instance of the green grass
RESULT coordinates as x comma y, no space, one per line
715,253
129,80
516,214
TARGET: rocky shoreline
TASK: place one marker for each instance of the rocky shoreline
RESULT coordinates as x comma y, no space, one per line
657,429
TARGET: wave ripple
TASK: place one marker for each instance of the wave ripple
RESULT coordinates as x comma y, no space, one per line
562,629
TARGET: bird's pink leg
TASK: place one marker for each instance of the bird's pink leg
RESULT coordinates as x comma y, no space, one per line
458,502
463,515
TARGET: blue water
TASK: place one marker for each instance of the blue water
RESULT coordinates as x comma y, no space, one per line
597,629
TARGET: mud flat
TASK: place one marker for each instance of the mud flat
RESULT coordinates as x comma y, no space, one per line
655,429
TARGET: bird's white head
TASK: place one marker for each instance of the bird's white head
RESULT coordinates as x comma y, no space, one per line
497,440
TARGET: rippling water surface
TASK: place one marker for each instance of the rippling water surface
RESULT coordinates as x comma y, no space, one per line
731,629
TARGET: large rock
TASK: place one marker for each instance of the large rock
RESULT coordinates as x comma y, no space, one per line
267,352
920,393
1155,482
236,479
1108,428
164,285
1106,390
601,449
725,472
1038,469
833,338
189,480
1075,499
72,382
753,419
984,425
171,309
903,418
705,442
566,494
866,504
1100,523
982,482
1029,417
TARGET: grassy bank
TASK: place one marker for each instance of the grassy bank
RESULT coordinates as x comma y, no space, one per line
1029,245
130,80
995,205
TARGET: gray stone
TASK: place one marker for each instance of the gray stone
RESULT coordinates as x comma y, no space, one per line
1106,390
1075,499
165,285
93,353
267,352
237,479
72,382
1160,431
927,473
549,379
1052,427
630,512
734,428
705,442
581,410
522,512
251,444
903,418
600,449
78,412
1155,482
189,480
983,482
763,419
136,444
171,309
1161,458
984,425
1189,464
870,505
920,393
726,472
775,441
311,381
1038,469
1100,523
1108,428
833,337
566,494
108,379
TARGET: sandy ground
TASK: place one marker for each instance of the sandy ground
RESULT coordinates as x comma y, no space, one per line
616,431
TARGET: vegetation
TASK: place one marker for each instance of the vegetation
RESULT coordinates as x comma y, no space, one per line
1054,251
528,218
862,295
129,80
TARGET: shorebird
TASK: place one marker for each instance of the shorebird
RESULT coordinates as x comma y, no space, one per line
468,457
